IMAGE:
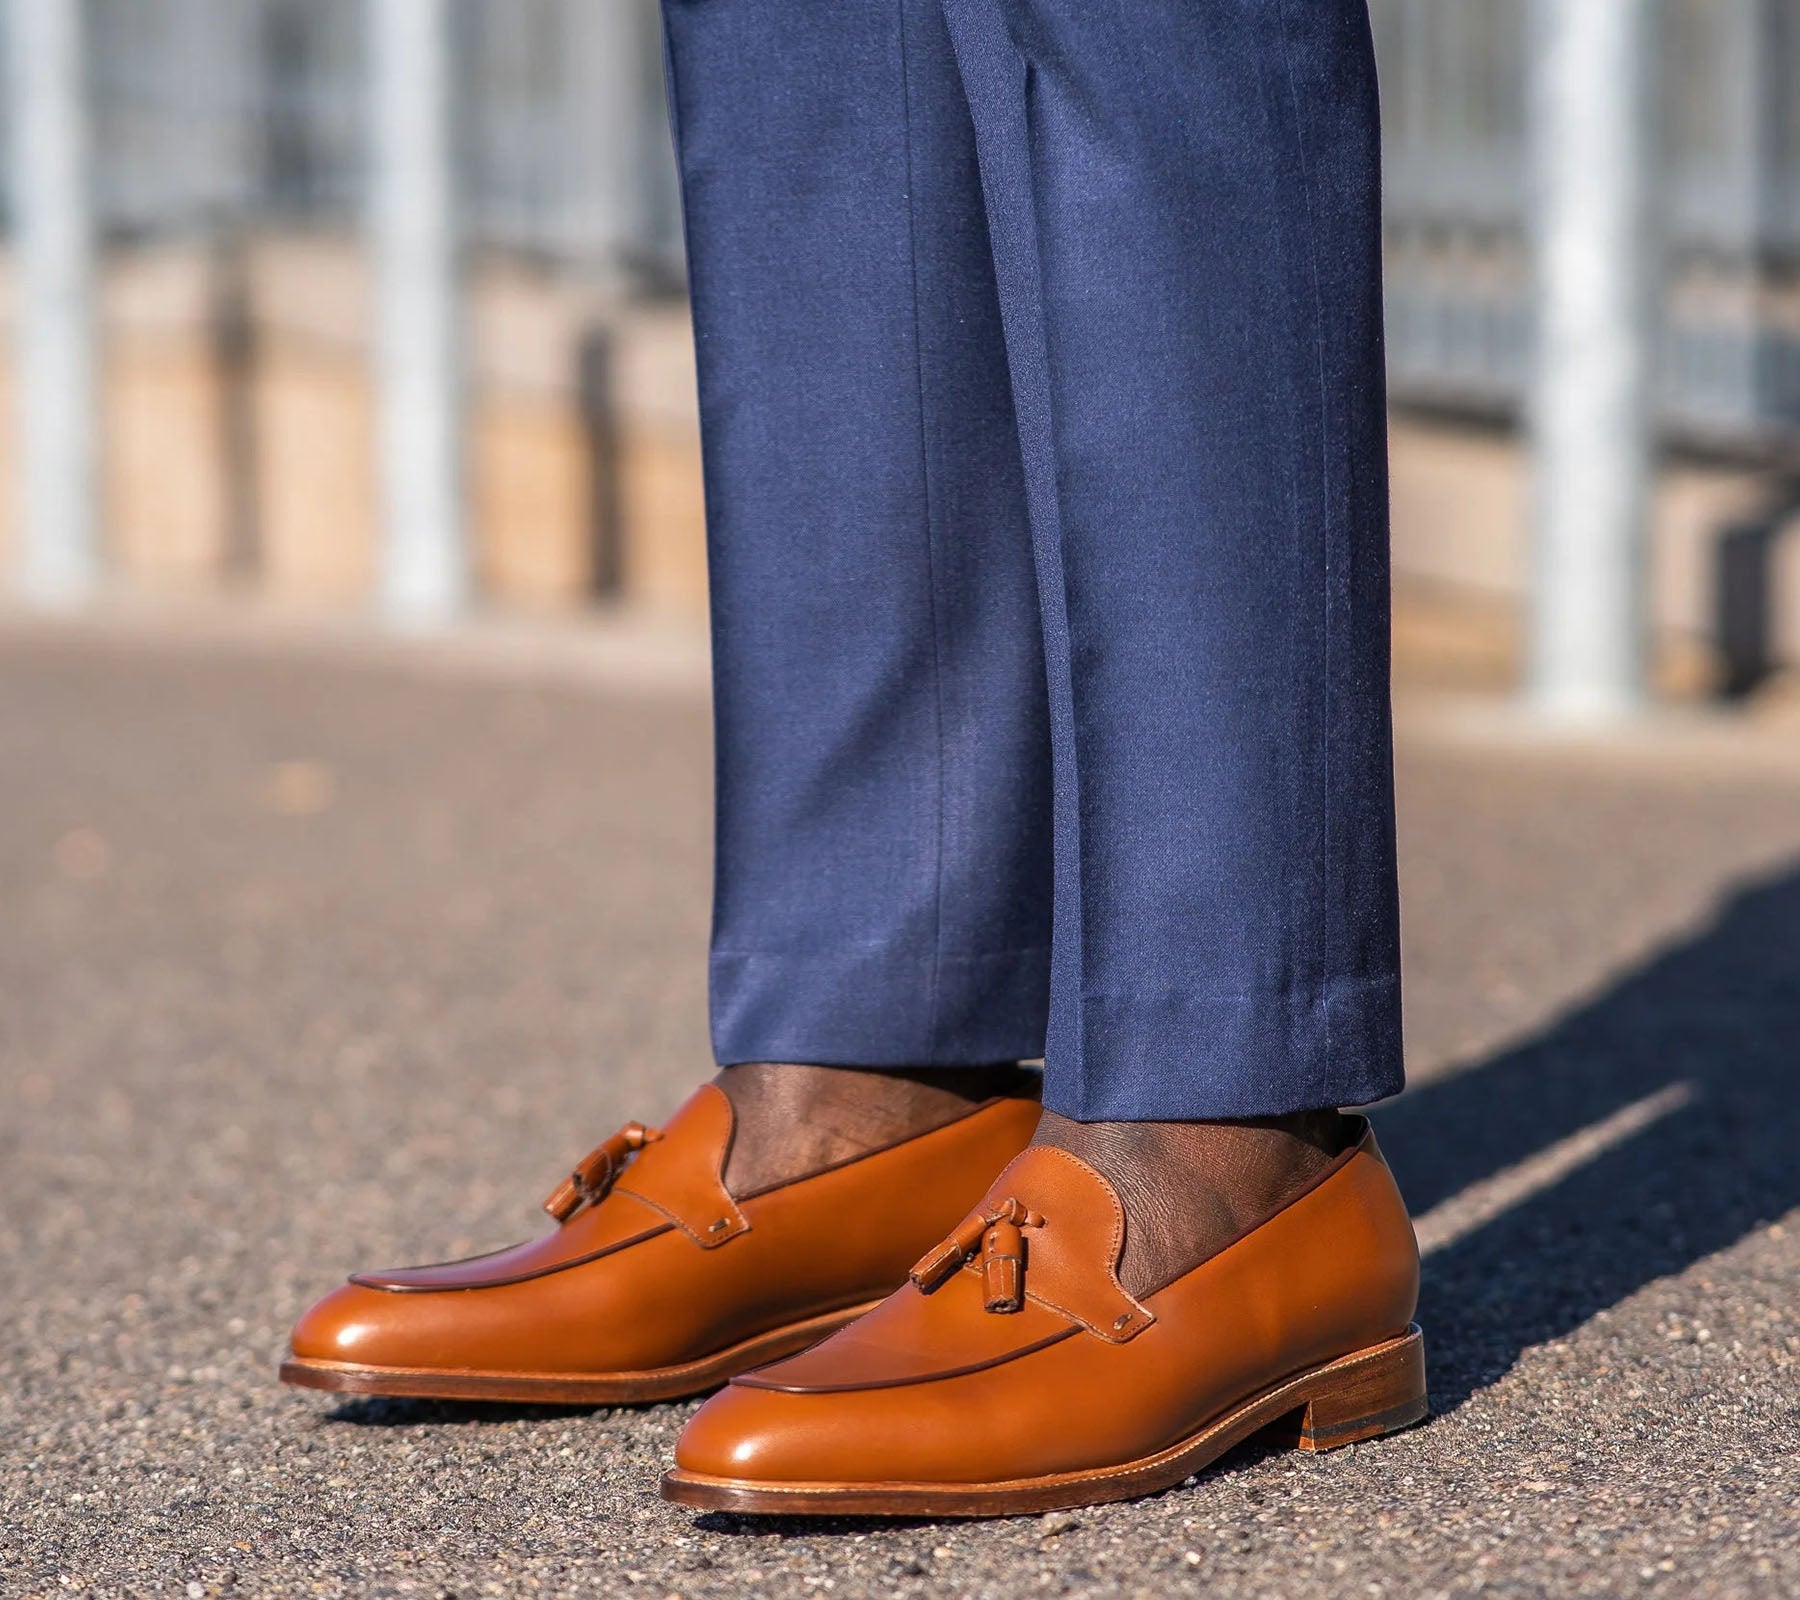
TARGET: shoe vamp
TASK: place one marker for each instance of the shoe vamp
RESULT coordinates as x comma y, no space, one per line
913,1338
620,1220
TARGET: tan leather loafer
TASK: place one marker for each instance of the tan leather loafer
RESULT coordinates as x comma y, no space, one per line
1014,1373
658,1281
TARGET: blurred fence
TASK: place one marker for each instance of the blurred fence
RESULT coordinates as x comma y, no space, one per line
1728,198
211,115
252,293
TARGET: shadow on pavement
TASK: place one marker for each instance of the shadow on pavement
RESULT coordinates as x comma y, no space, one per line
1718,1014
378,1411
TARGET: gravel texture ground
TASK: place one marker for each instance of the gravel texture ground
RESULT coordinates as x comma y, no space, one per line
309,963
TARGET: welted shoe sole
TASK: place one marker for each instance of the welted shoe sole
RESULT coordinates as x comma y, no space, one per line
564,1388
1360,1396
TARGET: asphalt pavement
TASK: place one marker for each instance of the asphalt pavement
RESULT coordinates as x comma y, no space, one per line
313,959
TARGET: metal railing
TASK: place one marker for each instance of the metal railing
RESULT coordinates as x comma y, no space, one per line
201,118
259,111
1726,165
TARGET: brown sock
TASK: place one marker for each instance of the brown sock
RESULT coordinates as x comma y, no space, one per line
1190,1188
792,1120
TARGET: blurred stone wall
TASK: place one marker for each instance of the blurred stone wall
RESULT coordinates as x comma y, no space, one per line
238,430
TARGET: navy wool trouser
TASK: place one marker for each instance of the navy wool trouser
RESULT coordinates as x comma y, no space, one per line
1042,401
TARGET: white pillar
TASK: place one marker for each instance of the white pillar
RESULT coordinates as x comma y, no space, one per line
605,106
424,572
54,246
1590,418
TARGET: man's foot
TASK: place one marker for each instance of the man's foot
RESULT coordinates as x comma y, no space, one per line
737,1233
1019,1371
1190,1188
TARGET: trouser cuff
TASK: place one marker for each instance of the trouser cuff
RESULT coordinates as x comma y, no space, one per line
1184,1057
869,1008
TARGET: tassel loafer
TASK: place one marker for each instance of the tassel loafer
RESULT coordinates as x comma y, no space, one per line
657,1281
1013,1373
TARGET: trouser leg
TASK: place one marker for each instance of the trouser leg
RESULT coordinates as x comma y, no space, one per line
1183,196
882,877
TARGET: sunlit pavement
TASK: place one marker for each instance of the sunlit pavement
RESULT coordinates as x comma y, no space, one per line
317,958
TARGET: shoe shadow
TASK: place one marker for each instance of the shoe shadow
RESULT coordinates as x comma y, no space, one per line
1691,1060
384,1411
766,1525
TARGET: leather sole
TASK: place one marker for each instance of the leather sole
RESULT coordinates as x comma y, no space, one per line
561,1388
1374,1391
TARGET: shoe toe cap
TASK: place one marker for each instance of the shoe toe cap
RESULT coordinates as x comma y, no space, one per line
354,1324
750,1433
770,1436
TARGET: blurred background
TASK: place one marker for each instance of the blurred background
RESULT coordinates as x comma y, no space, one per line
374,306
355,813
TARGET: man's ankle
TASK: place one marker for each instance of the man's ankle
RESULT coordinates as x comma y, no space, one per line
794,1119
1189,1189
